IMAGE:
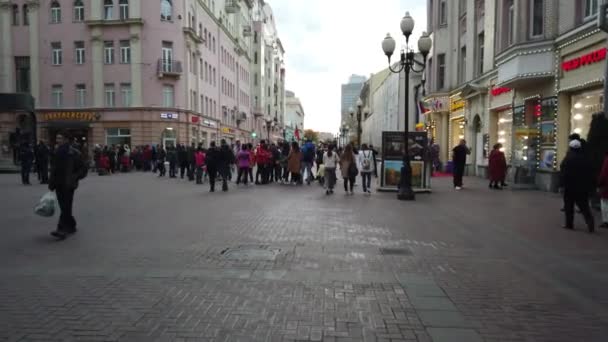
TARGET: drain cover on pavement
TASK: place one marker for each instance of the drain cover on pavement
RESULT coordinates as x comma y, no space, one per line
251,253
395,251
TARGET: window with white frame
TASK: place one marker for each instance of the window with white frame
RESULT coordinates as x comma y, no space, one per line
108,9
79,52
81,95
55,12
57,53
109,95
26,15
125,51
591,8
480,52
123,7
440,71
118,136
536,18
201,68
108,52
168,96
78,11
166,10
126,94
15,15
463,65
57,95
510,22
443,12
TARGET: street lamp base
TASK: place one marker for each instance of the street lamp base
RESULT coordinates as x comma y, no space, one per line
406,193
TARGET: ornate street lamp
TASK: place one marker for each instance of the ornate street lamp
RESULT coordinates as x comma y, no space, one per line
408,64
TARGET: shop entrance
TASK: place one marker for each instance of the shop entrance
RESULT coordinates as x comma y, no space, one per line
80,135
169,137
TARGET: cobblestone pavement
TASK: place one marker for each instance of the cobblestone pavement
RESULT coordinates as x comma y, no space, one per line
164,260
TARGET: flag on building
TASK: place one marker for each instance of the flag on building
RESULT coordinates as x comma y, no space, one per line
297,133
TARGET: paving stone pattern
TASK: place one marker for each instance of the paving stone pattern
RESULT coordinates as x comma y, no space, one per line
164,260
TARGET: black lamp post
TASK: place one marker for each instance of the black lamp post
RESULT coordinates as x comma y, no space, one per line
408,64
352,114
344,135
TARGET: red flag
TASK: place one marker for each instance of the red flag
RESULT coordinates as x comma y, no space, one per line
297,133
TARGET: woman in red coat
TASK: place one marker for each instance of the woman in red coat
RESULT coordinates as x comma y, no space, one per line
497,167
603,185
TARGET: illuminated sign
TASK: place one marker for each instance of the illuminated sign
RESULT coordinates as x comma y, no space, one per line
228,130
456,105
590,58
169,115
71,116
196,119
500,90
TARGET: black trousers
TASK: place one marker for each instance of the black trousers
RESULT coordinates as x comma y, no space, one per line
458,174
26,168
250,172
582,202
65,197
243,175
160,165
349,183
172,170
44,172
199,174
259,173
366,178
182,170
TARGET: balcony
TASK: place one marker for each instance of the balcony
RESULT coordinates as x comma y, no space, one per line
525,63
169,68
191,32
232,6
115,22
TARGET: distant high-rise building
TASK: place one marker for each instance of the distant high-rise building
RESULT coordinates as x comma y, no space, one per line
350,93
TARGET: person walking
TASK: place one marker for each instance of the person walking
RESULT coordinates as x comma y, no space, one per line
26,156
68,169
161,155
371,147
366,162
191,161
497,166
577,181
285,149
294,163
348,167
308,159
319,157
603,187
330,162
212,160
182,158
199,161
172,157
251,162
226,158
42,162
459,159
243,162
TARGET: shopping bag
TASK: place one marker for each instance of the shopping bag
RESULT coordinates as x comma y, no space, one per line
47,205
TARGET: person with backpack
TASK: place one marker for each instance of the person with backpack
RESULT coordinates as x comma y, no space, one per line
348,167
69,167
308,158
330,162
366,161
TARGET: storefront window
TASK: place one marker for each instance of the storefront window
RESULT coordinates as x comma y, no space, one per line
204,139
118,136
505,133
548,146
525,134
583,107
457,131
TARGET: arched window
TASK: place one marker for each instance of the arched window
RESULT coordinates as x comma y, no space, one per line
55,12
78,11
166,10
108,9
124,9
26,11
15,15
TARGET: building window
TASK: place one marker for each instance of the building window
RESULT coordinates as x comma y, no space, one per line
462,7
55,12
214,78
480,8
57,53
463,26
108,52
206,72
590,8
166,10
81,95
22,74
123,6
118,136
15,15
443,13
440,71
79,50
168,96
110,95
78,11
108,9
167,52
463,65
213,44
57,96
480,52
194,101
510,22
127,94
26,13
125,52
536,18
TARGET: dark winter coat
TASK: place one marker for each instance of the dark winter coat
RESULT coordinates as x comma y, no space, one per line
459,154
68,168
603,179
497,165
577,174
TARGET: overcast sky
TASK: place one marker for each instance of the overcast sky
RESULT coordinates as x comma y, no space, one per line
326,41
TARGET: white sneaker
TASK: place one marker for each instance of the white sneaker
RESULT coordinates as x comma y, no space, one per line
458,188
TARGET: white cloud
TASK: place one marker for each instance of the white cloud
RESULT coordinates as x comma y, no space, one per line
328,40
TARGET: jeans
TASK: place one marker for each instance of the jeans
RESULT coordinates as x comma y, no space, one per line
366,178
307,169
199,174
26,168
330,178
65,197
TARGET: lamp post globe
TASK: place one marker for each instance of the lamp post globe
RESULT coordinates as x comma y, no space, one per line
424,44
388,45
407,25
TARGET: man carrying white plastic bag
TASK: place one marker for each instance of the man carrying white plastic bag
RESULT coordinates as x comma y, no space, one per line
46,206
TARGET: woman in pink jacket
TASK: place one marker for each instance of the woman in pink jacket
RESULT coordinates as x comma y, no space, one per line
243,160
199,160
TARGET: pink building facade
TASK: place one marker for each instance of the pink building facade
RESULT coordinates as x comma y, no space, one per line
119,72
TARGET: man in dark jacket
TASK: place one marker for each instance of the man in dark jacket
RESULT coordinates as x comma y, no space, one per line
226,158
218,161
161,154
42,162
191,161
460,153
578,183
68,169
172,158
26,156
182,159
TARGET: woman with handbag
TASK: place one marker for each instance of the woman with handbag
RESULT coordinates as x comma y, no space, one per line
348,167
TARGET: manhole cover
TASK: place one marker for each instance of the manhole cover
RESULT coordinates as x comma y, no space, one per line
395,251
251,253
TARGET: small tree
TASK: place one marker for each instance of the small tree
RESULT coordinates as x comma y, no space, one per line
312,135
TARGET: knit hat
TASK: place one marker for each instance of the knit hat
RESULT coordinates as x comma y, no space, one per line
575,144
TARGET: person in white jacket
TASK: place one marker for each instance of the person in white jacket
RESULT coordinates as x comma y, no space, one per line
366,165
330,161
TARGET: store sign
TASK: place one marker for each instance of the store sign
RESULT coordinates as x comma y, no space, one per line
173,116
209,123
500,90
71,116
590,58
456,105
227,130
196,119
438,104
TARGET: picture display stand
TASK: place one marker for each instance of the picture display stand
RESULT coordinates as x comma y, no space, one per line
393,144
